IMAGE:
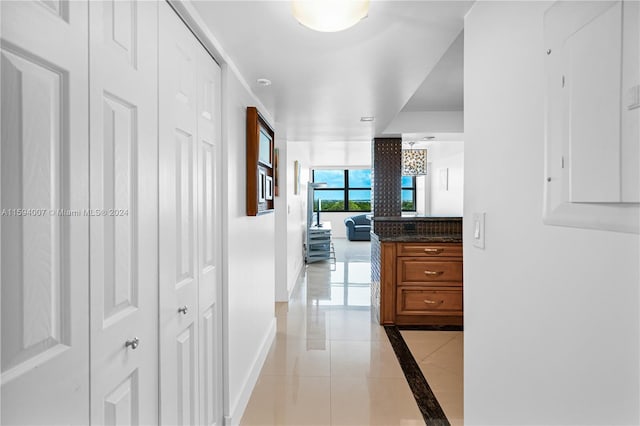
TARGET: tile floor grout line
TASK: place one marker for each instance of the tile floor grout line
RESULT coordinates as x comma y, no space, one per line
436,350
431,328
427,402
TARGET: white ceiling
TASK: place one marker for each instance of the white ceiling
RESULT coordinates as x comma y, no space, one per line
324,82
442,90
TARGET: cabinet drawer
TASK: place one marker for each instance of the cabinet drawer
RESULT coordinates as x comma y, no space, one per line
430,250
418,301
419,270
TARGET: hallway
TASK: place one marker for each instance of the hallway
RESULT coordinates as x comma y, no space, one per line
329,364
156,161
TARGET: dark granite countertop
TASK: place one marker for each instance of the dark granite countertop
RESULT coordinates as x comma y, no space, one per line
416,219
415,238
418,229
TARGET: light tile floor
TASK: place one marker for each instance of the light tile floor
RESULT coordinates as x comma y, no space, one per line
330,364
439,355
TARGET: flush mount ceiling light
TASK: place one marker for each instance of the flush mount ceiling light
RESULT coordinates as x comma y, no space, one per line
263,82
329,15
367,118
414,161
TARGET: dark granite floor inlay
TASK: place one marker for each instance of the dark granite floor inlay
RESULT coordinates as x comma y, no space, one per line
431,327
427,403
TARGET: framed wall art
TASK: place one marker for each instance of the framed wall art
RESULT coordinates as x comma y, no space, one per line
262,186
276,172
443,179
260,164
268,188
296,177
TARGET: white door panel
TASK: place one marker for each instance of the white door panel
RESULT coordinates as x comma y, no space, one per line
44,169
124,283
186,370
211,367
189,228
208,101
121,404
209,238
178,222
153,143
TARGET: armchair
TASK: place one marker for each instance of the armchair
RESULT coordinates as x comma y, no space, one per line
358,228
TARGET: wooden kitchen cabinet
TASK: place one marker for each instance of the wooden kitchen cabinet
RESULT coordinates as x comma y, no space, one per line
421,283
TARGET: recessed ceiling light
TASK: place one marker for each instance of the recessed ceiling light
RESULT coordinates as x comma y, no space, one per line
367,118
428,138
263,82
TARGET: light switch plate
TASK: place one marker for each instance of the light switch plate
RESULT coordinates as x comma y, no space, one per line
478,230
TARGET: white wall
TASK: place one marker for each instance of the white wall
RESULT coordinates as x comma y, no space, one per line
248,257
281,217
551,313
292,208
423,191
443,156
339,154
427,122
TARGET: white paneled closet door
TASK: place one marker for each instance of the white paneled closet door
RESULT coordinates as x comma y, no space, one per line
44,255
190,325
178,222
124,199
209,271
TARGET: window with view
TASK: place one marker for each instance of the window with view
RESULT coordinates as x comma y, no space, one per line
350,191
408,193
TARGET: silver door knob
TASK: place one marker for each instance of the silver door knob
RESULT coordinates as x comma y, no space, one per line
133,343
183,310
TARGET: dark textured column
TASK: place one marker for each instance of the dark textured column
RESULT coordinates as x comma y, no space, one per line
386,160
376,267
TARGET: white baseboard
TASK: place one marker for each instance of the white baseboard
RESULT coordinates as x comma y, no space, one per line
299,272
237,410
284,295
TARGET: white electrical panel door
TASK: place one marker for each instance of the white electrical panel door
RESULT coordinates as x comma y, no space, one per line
592,86
592,115
44,261
630,119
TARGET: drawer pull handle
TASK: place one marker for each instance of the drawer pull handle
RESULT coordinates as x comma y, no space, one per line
433,273
433,302
433,250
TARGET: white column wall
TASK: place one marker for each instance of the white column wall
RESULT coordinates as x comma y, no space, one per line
551,313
